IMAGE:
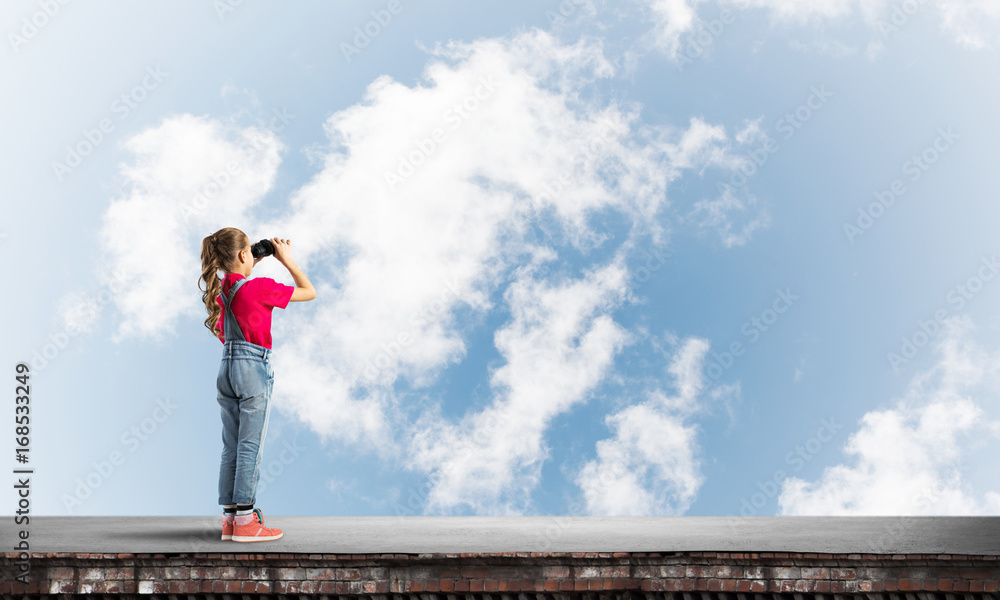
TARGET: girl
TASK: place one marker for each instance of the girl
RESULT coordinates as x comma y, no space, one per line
239,314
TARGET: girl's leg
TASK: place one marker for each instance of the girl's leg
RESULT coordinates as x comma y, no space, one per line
229,408
254,412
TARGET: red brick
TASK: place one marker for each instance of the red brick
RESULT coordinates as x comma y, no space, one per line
54,573
565,585
815,573
836,573
909,585
447,585
822,587
726,571
728,585
347,574
248,587
415,586
55,587
234,573
475,572
743,585
945,585
554,572
976,573
977,585
462,585
614,572
322,573
785,572
205,573
492,585
580,585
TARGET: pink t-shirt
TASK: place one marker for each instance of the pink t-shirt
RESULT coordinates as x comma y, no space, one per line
252,306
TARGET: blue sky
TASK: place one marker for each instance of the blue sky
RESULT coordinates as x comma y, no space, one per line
628,261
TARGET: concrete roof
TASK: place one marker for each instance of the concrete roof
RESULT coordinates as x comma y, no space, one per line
372,535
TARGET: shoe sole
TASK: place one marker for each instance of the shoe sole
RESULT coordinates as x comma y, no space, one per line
256,538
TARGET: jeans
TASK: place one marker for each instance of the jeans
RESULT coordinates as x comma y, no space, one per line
246,377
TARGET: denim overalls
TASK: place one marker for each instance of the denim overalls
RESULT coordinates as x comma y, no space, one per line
245,380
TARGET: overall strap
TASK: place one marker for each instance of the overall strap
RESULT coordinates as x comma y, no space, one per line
232,290
232,329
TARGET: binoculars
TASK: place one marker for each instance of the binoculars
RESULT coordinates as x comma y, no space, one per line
262,248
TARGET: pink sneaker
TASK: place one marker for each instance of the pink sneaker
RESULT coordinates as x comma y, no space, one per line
250,528
227,527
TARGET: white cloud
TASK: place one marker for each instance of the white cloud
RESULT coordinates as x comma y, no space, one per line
673,18
429,202
558,345
446,236
189,177
801,10
971,23
916,457
650,467
720,215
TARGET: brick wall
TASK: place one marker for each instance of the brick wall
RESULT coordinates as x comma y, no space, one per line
514,575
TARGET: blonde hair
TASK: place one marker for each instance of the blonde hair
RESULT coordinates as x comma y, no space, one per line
218,251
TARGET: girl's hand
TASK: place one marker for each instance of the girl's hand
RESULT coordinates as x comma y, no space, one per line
281,250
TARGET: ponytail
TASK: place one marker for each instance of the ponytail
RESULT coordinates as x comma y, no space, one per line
218,251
